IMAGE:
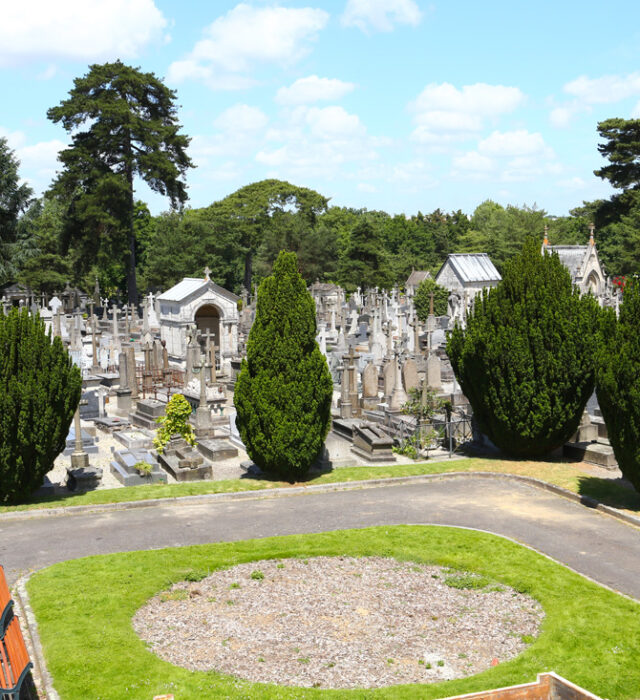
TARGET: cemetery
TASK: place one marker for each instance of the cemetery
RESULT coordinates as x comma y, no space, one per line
269,446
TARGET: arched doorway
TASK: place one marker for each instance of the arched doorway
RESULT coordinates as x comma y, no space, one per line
593,283
207,321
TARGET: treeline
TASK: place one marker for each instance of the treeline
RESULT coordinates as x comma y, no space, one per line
351,247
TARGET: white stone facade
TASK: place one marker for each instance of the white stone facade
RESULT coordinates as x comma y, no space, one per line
211,308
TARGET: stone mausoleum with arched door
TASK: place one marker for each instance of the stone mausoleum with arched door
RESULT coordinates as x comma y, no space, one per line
213,310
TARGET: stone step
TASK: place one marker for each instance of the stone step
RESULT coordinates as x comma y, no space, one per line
591,452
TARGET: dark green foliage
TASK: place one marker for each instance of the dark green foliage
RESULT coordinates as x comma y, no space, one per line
14,199
124,125
422,299
283,393
364,262
622,149
39,393
618,382
525,360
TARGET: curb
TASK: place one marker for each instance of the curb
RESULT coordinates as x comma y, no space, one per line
41,676
281,492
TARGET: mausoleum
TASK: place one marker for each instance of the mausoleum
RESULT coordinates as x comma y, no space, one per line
212,309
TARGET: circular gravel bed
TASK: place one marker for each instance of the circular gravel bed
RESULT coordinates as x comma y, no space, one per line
339,622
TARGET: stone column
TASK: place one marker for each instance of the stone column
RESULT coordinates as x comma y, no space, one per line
345,404
79,458
131,373
399,396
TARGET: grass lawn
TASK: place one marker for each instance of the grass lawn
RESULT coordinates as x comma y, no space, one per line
567,475
84,609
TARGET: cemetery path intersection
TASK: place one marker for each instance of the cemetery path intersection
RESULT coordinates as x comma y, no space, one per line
587,541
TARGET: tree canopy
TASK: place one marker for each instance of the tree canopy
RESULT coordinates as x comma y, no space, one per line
622,149
525,360
123,124
15,197
284,389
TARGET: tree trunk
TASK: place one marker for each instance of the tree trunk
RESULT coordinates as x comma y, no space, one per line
132,289
248,261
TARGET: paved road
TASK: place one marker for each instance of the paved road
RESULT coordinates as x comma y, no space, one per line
592,543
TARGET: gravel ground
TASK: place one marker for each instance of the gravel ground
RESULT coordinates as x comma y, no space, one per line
337,622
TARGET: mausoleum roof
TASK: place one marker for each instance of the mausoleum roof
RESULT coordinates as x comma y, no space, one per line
416,277
473,267
571,256
190,285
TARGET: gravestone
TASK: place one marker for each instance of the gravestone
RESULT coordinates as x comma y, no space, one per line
146,413
434,372
184,462
370,387
410,375
389,379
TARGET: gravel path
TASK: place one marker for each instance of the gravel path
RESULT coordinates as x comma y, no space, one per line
339,622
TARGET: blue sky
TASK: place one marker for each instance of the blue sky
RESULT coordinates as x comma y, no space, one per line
401,105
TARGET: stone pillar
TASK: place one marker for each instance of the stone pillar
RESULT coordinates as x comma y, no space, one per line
79,458
399,396
131,373
345,404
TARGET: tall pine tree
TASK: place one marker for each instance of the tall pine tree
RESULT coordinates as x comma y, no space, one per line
283,393
124,124
618,382
525,359
39,393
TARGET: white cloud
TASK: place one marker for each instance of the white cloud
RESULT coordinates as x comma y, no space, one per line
514,144
366,187
84,30
317,142
380,15
473,162
561,117
572,183
442,110
334,123
607,89
247,36
242,118
510,156
313,89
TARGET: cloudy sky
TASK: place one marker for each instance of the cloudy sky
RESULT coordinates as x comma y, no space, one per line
401,105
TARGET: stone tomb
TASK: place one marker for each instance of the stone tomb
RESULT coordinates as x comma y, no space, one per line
134,439
122,467
184,462
371,443
146,413
88,442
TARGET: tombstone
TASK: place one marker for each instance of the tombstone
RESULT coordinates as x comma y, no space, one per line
345,404
389,379
399,396
183,462
132,380
124,470
363,334
370,387
371,443
410,375
434,372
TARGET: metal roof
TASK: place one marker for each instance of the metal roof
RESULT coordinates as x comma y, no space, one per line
190,285
473,267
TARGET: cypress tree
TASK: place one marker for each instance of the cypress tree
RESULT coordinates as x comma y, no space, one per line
284,389
525,359
39,393
618,382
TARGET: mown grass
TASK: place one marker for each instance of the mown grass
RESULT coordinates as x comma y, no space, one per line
84,609
567,475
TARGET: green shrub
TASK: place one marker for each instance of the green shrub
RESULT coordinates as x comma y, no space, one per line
525,360
39,392
422,299
175,422
618,382
284,389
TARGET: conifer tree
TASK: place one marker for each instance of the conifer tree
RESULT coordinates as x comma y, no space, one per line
618,382
525,359
283,392
39,393
422,299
